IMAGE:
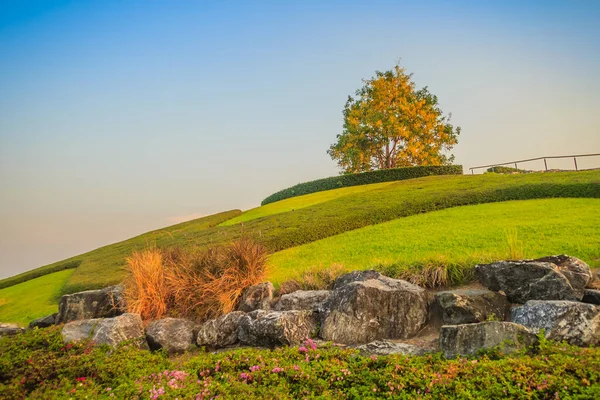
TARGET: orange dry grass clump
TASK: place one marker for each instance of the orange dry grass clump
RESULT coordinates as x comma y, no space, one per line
201,285
145,290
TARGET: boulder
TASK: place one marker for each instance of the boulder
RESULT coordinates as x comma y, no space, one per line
386,347
577,272
102,303
468,339
471,306
522,281
356,276
373,307
274,328
257,297
10,329
220,332
302,300
111,331
43,322
571,321
174,335
591,296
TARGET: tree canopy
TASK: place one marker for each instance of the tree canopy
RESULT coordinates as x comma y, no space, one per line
389,124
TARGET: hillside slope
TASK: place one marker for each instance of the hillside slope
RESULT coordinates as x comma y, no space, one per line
285,229
464,235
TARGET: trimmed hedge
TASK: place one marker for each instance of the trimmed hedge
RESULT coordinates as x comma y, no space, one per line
364,178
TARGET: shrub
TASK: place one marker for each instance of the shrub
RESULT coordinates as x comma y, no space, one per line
507,170
432,273
146,291
364,178
201,285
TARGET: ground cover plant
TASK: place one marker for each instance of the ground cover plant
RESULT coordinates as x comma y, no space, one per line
32,299
38,365
354,210
457,238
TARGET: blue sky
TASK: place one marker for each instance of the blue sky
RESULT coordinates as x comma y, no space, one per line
117,117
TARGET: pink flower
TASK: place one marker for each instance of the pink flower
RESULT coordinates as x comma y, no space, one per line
255,368
302,349
277,370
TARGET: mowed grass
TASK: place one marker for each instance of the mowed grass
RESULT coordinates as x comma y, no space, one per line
460,235
24,302
353,210
296,203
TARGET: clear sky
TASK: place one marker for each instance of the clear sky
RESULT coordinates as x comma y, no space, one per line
117,117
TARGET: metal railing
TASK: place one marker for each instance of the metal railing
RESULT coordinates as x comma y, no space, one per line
515,163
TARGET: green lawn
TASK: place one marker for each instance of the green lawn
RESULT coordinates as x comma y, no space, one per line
458,235
296,203
24,302
297,221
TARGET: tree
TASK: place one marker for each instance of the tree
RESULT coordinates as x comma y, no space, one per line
390,124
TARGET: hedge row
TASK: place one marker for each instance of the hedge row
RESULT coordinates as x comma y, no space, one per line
36,273
364,178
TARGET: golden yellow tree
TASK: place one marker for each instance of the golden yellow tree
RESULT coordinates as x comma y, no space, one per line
390,124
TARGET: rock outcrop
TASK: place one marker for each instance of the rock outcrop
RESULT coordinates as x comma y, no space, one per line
43,322
174,335
257,297
275,328
469,339
522,281
366,306
102,303
111,331
386,347
471,306
591,296
220,332
10,329
574,322
576,271
302,300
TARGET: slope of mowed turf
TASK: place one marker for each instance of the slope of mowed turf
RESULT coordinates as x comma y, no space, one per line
24,302
103,266
277,232
296,203
467,234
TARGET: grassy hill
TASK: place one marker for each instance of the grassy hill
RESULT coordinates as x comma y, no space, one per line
311,218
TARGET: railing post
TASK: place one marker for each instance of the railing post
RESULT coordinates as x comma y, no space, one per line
575,159
546,165
517,168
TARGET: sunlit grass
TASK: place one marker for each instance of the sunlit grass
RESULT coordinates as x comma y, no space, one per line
296,203
467,234
33,299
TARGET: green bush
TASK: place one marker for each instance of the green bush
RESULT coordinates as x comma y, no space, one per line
38,365
507,170
36,273
364,178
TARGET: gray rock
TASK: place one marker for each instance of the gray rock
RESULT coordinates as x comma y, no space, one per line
43,322
102,303
10,329
364,310
571,321
471,306
386,347
527,280
111,331
302,300
355,276
468,339
257,297
576,271
174,335
274,328
220,332
591,296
